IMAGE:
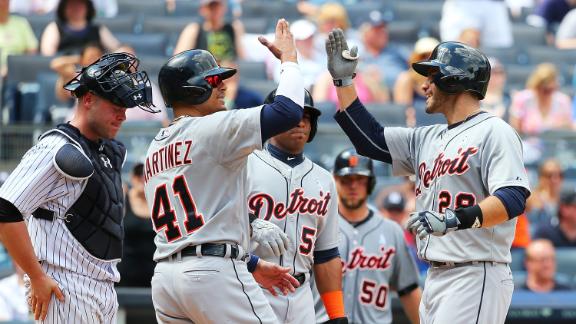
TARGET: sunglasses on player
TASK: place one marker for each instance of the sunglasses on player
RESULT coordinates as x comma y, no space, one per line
213,80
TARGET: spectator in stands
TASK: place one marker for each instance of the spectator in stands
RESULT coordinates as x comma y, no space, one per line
406,188
488,16
470,36
377,52
566,34
564,233
221,38
549,14
541,106
542,205
331,15
135,115
540,263
408,87
13,305
311,63
239,95
33,7
137,266
16,36
67,67
497,98
74,28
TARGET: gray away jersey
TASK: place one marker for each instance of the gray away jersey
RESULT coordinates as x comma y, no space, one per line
301,200
195,180
36,183
460,167
375,261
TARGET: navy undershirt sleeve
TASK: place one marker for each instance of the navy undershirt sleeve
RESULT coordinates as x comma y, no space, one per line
514,199
325,255
281,115
364,131
9,213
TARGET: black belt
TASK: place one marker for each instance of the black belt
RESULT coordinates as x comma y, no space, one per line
437,264
301,277
208,249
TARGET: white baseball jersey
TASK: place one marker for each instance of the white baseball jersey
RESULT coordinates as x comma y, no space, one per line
459,167
375,261
301,200
35,183
195,179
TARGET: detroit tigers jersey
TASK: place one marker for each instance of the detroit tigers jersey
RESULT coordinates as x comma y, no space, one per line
195,179
375,261
35,183
301,200
459,167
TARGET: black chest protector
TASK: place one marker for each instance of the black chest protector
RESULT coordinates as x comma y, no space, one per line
96,218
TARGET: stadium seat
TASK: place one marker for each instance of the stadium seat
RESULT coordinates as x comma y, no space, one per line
186,8
47,98
38,23
504,55
119,24
418,11
517,260
425,119
250,70
152,44
278,9
161,24
263,87
566,261
328,110
517,74
256,25
539,54
24,68
404,31
519,278
145,8
388,114
525,34
152,65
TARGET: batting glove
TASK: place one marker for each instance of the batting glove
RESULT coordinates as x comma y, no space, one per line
269,237
339,320
341,60
431,222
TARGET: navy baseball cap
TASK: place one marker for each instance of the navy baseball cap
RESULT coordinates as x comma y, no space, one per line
568,196
379,18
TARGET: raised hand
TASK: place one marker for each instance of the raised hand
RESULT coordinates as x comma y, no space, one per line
270,276
342,61
283,46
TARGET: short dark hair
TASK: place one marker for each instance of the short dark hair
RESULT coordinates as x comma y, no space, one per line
61,10
138,169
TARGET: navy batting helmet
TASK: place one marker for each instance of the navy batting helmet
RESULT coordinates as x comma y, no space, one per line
114,77
460,68
349,162
186,77
308,107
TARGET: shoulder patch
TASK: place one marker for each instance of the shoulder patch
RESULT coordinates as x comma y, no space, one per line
72,163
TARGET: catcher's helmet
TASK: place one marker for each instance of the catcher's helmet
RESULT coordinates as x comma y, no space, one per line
183,78
114,77
460,68
308,106
349,162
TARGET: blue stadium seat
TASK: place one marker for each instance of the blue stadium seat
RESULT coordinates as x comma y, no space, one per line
119,24
186,8
525,34
328,110
419,11
254,8
566,261
517,74
152,44
425,119
388,114
504,55
250,70
39,22
152,65
168,25
263,87
257,25
406,31
539,54
147,8
517,260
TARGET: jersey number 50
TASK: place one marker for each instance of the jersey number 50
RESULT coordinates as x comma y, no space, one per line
163,215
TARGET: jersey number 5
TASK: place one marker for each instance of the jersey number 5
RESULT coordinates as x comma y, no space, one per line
463,199
163,215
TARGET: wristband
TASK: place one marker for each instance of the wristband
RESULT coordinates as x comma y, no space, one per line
252,263
334,304
343,82
469,217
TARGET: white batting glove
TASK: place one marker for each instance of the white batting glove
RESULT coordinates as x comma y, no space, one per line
269,237
431,222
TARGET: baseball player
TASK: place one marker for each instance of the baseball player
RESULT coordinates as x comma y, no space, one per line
292,192
68,188
375,258
470,180
195,184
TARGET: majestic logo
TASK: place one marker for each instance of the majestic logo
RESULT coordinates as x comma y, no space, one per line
358,259
442,166
264,206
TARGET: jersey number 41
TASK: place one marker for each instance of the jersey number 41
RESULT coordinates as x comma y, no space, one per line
163,215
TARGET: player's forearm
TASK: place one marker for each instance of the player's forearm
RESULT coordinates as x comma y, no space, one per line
328,275
346,96
493,211
15,238
410,303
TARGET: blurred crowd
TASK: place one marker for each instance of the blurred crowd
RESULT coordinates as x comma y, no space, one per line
538,97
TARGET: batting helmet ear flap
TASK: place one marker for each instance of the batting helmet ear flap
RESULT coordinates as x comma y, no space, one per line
371,184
